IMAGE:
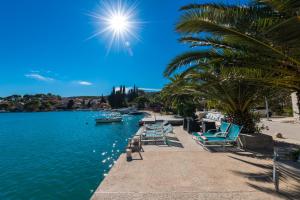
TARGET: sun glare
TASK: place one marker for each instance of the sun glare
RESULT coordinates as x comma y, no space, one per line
119,23
116,20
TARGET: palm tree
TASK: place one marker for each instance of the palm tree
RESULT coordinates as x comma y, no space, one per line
263,35
177,98
233,91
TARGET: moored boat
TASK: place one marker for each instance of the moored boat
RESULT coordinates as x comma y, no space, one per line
108,120
135,113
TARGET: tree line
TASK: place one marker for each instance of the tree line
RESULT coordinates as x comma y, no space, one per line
120,98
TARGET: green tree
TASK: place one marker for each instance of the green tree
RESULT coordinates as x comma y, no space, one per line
111,98
141,102
132,94
70,104
178,98
102,100
242,51
32,106
117,99
45,106
263,35
4,106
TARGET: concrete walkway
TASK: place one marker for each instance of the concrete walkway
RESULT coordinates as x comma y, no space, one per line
186,171
286,126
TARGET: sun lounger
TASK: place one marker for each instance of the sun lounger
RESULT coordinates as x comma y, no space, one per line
156,126
158,135
229,139
164,130
154,137
222,131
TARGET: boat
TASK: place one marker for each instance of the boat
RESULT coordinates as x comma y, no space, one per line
109,117
108,120
135,113
124,111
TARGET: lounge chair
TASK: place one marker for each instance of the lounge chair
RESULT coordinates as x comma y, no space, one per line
157,135
228,140
164,130
154,137
222,131
156,126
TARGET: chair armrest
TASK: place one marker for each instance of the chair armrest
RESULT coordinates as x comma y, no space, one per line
220,134
211,131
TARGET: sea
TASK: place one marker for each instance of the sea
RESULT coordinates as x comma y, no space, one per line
58,155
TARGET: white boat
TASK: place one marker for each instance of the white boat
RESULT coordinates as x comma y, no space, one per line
108,120
124,111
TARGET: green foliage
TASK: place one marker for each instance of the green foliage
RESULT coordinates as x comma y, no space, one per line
280,102
248,51
263,35
4,106
45,106
141,102
32,106
70,104
119,98
177,98
103,100
132,94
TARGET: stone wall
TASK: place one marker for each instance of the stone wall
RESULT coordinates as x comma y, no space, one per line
256,142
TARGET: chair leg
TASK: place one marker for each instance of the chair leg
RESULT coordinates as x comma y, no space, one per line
140,155
275,177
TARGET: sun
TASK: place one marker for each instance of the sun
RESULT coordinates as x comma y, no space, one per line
119,23
116,21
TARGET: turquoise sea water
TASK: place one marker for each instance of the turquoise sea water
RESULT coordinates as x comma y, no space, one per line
58,155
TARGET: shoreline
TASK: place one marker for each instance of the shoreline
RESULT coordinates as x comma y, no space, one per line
144,112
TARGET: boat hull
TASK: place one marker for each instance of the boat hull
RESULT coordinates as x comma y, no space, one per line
109,120
135,113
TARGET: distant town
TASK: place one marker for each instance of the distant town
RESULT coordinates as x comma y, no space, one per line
118,98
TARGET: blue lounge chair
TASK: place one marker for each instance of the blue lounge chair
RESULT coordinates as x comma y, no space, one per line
231,138
222,131
156,126
154,137
164,130
157,135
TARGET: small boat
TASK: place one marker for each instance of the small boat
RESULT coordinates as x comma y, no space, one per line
124,111
135,113
108,120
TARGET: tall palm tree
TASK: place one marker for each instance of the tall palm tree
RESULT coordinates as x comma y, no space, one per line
233,91
264,35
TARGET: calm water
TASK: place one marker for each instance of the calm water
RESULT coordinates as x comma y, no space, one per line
58,155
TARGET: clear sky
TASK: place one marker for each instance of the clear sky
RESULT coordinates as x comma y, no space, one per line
44,47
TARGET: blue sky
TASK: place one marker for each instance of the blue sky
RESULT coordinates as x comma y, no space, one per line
44,47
